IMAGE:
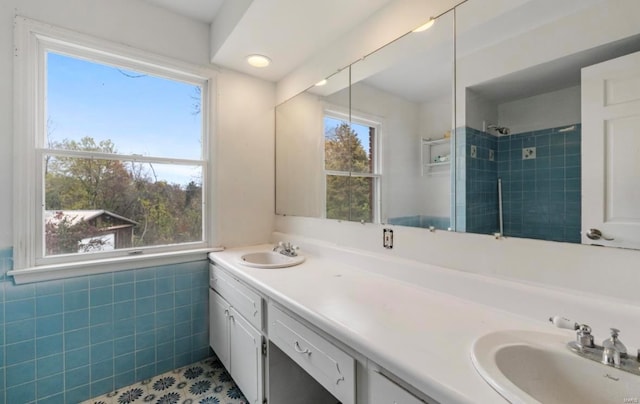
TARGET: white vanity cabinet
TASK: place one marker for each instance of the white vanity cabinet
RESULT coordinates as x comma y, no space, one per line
235,321
331,367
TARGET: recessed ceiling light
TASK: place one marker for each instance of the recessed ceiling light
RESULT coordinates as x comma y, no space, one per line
258,60
425,26
321,83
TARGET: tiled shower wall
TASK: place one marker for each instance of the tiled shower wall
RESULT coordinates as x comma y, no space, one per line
68,340
542,196
481,183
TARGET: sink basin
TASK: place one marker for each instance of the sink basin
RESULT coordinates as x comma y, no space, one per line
270,259
535,367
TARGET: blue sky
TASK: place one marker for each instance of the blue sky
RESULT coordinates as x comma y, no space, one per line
362,131
144,114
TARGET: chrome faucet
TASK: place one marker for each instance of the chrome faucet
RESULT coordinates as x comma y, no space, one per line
613,350
611,353
286,248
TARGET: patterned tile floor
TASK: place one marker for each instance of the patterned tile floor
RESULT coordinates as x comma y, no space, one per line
204,382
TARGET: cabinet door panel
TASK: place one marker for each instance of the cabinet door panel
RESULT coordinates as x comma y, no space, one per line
219,327
246,357
384,391
243,299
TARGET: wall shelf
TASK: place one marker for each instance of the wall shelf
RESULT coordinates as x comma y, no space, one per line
430,150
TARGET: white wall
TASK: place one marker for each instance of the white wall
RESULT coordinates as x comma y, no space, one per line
435,190
245,105
480,112
300,156
245,159
549,110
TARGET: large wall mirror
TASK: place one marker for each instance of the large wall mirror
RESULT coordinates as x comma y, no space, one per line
372,142
541,87
532,115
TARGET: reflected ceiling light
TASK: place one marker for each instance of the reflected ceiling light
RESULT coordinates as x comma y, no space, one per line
425,26
258,60
321,83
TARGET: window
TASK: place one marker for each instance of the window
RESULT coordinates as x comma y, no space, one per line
351,169
116,147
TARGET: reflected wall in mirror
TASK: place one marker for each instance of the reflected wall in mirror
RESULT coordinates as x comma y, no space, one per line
524,116
405,91
313,151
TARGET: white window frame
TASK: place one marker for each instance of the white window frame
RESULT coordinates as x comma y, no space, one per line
32,41
358,119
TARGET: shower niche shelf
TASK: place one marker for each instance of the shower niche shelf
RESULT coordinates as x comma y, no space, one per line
435,156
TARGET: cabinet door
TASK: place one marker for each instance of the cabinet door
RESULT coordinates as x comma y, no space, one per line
384,391
246,357
219,327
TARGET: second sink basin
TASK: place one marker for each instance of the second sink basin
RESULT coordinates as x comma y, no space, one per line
535,367
270,259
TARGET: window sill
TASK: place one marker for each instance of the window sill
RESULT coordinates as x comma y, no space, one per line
69,270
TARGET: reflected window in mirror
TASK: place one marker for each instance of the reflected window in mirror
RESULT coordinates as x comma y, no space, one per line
352,175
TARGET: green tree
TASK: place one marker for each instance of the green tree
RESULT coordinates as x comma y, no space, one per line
348,197
165,213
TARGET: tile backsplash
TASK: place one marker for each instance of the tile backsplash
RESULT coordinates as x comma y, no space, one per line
65,341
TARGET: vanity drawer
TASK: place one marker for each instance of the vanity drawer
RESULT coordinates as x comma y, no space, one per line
244,300
329,365
384,391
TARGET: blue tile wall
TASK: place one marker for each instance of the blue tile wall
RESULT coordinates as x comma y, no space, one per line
460,181
481,202
541,196
69,340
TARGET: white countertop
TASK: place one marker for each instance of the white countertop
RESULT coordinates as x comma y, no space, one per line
421,335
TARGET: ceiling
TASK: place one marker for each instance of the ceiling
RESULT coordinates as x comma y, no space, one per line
290,32
287,31
201,10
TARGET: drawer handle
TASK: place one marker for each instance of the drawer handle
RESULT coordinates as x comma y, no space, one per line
341,378
226,313
298,349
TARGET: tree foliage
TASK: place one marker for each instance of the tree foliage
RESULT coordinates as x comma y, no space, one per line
348,197
166,213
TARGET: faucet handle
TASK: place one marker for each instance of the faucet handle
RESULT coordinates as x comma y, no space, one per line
583,334
562,322
614,342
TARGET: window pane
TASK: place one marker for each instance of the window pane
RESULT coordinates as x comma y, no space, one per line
127,111
350,198
96,205
361,199
337,197
362,148
338,138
